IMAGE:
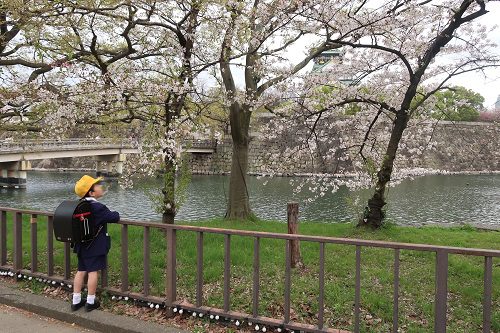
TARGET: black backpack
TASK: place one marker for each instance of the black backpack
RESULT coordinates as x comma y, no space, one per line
73,222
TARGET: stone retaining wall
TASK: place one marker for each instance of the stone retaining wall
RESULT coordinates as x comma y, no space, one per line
459,147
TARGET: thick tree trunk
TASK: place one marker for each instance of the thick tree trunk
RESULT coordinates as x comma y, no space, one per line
374,214
239,204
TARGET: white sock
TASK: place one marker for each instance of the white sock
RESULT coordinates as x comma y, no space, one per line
77,298
90,299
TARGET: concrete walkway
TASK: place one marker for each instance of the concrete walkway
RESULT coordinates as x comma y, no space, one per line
15,320
96,320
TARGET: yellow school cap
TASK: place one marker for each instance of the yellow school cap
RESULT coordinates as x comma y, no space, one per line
84,184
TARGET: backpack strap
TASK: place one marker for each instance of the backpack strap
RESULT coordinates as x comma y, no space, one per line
95,236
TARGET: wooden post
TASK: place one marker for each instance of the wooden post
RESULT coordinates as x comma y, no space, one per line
293,228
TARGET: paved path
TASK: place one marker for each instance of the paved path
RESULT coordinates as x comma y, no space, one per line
14,320
95,321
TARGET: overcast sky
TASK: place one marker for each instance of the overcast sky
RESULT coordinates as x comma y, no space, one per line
488,86
487,83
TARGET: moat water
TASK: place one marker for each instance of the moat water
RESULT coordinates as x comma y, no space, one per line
438,199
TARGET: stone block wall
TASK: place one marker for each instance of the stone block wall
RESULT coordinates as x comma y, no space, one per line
459,147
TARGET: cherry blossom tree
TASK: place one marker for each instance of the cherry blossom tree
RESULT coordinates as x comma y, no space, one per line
134,63
150,78
140,62
395,64
24,58
257,35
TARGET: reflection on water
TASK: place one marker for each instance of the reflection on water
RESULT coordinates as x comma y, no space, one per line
431,199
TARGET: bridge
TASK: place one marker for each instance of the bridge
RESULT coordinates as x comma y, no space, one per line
16,156
109,154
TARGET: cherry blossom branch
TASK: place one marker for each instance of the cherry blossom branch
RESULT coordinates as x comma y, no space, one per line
397,53
312,54
368,131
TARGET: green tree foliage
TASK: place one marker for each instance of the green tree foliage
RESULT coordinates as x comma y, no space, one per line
457,104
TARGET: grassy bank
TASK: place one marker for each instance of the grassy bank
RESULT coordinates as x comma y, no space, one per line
416,273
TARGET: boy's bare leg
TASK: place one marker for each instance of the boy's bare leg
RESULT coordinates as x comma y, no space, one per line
92,286
77,290
78,282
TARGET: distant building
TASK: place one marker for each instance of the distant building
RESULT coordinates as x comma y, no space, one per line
325,60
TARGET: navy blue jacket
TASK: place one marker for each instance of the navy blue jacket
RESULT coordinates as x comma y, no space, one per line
102,243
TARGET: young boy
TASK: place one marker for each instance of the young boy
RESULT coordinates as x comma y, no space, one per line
92,257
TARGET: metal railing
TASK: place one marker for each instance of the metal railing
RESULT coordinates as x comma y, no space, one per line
84,143
171,301
54,144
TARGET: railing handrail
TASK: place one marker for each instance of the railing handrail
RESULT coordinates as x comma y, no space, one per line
171,302
88,142
29,144
300,237
83,140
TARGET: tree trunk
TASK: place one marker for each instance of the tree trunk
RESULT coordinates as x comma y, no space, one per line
239,205
169,193
374,214
168,217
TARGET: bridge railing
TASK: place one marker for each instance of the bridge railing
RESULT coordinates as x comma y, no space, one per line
171,302
48,144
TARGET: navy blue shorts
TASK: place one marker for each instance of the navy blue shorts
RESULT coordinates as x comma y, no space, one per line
91,264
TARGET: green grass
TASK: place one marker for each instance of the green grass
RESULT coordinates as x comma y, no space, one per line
465,280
